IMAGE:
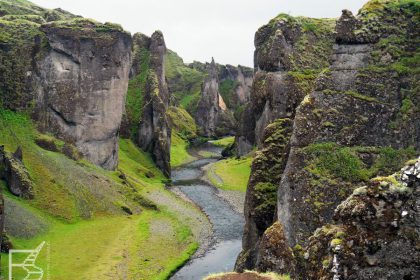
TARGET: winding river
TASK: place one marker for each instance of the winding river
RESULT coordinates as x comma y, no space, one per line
227,223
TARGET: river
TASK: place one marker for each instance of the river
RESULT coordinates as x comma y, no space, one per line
227,223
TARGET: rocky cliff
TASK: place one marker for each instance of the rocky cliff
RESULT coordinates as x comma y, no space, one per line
72,75
356,119
186,81
148,99
213,117
284,75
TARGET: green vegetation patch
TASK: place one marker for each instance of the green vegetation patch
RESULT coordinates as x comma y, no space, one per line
136,91
179,151
184,82
231,174
224,142
329,160
182,122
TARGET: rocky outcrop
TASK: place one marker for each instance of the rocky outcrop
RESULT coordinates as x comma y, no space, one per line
83,82
213,117
154,134
348,129
237,83
376,234
15,174
267,121
288,58
73,76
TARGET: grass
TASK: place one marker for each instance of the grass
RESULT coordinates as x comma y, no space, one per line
224,142
186,87
182,122
179,153
231,174
89,234
329,160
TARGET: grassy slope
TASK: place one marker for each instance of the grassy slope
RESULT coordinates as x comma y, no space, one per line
179,154
81,206
224,142
188,82
231,174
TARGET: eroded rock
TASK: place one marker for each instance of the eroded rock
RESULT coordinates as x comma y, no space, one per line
14,172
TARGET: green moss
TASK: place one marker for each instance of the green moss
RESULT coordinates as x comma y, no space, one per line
266,195
353,94
224,142
182,122
136,91
85,25
328,124
329,160
184,82
18,38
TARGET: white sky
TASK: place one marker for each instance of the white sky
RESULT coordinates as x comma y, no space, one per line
200,29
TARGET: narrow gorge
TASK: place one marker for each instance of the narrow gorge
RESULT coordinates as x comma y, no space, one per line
118,160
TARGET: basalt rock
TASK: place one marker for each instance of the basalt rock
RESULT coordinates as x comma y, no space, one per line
154,133
288,58
15,174
83,78
72,75
375,234
268,119
360,119
261,194
213,117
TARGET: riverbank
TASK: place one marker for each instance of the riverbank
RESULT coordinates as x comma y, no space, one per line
227,222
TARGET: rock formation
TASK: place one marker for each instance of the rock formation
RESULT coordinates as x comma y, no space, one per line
72,75
240,79
375,234
280,84
150,124
15,174
354,120
186,81
212,116
84,78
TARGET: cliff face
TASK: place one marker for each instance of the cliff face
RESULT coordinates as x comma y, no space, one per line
83,82
186,84
148,99
358,120
72,75
212,116
284,76
290,53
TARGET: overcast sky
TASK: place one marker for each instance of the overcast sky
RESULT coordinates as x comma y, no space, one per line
200,29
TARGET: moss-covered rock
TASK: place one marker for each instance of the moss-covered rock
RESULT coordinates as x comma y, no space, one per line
14,172
375,235
261,195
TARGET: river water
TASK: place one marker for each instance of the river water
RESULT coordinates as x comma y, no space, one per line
227,224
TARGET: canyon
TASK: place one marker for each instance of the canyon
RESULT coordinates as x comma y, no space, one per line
311,156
